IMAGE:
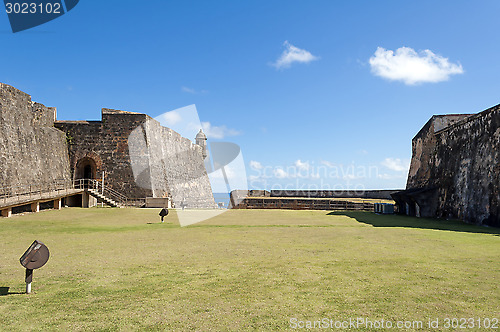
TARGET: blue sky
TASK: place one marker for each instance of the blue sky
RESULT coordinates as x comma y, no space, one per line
333,113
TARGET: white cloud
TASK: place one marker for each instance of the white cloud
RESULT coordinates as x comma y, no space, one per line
280,173
315,176
386,176
293,54
411,67
218,132
300,170
232,172
255,165
302,166
169,119
188,90
327,163
192,91
395,164
254,178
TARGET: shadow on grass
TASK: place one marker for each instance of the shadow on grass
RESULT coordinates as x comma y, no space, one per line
5,291
394,220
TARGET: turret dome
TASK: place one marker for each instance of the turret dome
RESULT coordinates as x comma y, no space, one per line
201,135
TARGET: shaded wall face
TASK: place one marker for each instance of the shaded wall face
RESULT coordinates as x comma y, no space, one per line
32,151
424,150
463,163
467,166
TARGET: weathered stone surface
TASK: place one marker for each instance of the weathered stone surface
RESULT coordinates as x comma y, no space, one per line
32,151
458,165
423,145
139,157
172,165
103,146
36,149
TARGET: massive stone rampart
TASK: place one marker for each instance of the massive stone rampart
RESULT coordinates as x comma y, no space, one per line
172,165
467,168
455,169
32,151
37,149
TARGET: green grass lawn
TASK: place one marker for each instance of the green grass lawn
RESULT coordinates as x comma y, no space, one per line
120,269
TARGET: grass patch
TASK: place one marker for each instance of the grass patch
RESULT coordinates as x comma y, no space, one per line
120,269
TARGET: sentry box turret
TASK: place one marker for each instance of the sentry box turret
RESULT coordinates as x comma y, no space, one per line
34,258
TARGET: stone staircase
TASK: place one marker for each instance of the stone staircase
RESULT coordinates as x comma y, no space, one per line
103,198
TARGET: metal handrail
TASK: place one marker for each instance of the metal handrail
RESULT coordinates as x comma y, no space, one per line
99,188
33,190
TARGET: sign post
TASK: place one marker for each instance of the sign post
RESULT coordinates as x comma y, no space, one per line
29,278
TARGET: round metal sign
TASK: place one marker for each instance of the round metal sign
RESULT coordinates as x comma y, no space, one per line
36,256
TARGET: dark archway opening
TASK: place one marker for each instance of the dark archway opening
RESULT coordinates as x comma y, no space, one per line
87,172
86,168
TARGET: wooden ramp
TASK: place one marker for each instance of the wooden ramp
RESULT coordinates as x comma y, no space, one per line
14,196
40,197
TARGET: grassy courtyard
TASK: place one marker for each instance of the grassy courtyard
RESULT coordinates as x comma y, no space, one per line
120,269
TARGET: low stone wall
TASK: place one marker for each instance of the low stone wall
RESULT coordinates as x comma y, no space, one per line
301,204
158,202
365,194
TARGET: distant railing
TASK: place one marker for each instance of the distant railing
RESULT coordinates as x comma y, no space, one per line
13,194
17,194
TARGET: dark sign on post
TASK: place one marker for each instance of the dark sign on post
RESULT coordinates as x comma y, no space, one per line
34,258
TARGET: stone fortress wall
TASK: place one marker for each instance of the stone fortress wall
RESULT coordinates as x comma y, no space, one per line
139,158
101,146
174,165
455,169
36,148
32,151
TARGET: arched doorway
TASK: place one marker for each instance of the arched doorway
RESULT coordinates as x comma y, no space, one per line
87,172
86,168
